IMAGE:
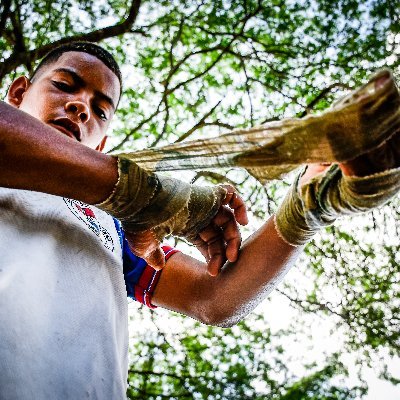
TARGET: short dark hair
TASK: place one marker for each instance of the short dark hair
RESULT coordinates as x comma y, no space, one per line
85,47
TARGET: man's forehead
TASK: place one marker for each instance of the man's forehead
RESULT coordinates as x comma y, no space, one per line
91,70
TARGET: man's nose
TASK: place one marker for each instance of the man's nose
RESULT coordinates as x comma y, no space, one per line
78,109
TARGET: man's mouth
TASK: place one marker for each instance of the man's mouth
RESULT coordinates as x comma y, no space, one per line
69,128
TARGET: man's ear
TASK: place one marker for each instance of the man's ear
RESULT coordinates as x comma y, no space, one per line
101,145
17,90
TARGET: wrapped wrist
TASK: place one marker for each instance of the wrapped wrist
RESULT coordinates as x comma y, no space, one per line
300,217
328,196
143,200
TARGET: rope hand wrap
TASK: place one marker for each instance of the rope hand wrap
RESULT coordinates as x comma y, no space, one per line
328,196
144,200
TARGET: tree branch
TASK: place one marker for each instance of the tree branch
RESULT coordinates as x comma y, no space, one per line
220,124
161,374
4,15
319,306
321,95
224,49
136,128
199,124
165,124
17,58
214,176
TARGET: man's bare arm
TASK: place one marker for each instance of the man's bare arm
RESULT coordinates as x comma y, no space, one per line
34,156
184,285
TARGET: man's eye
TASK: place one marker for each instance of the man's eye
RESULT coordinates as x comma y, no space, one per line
63,86
100,113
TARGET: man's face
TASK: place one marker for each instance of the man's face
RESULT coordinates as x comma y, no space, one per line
77,95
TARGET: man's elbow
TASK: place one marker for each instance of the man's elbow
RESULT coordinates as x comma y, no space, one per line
214,307
219,318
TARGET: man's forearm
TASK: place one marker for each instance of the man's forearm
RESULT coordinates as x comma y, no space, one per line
36,157
263,262
264,259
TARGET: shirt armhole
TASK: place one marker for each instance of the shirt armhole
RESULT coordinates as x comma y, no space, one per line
140,279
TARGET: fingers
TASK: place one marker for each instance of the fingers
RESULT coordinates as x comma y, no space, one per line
385,156
381,81
203,248
229,229
214,247
145,245
236,203
220,241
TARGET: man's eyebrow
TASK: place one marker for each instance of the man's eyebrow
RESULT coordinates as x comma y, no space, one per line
81,82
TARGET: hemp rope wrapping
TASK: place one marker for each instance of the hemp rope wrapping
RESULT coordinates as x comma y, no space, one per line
329,195
143,199
344,131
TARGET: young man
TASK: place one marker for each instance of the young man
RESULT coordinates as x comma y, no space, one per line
63,311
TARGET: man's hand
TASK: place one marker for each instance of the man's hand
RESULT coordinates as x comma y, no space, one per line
145,245
326,192
384,157
218,242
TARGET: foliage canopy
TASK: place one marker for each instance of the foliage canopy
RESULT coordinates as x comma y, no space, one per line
196,68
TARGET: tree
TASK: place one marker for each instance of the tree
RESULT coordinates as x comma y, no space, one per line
202,67
213,363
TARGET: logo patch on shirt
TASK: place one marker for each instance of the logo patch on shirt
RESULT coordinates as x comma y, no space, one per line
87,215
